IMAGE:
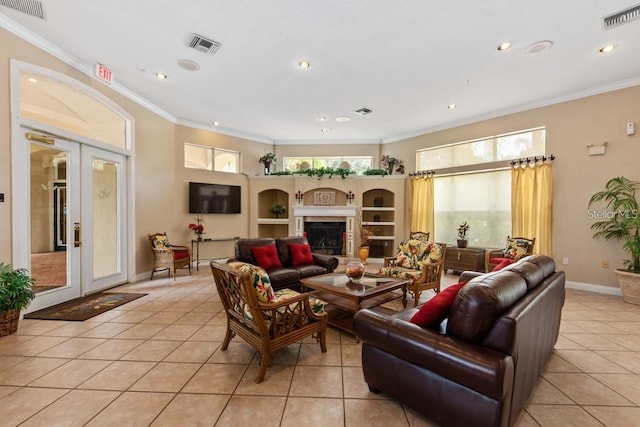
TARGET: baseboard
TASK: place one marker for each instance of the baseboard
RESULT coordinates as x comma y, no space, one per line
590,287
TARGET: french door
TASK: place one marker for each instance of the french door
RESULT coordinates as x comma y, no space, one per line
74,229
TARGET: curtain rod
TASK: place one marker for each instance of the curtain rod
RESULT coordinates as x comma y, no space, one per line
533,160
426,173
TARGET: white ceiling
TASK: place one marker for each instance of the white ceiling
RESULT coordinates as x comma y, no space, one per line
405,59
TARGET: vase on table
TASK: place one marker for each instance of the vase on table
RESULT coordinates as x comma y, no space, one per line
363,253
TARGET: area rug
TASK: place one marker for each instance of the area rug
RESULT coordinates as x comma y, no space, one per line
84,308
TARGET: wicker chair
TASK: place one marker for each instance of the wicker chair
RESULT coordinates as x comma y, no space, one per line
245,290
419,261
167,256
516,248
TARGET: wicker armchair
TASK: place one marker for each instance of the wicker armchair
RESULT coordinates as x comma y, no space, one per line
267,320
516,248
167,256
419,261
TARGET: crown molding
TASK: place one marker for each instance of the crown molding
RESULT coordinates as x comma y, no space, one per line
325,142
216,129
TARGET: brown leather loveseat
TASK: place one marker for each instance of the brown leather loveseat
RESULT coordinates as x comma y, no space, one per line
287,275
480,366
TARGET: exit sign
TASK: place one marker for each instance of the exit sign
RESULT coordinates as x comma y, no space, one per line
104,73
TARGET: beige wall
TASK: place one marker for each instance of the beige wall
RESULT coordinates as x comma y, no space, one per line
577,175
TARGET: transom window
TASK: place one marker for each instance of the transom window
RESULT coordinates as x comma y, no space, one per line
356,163
211,158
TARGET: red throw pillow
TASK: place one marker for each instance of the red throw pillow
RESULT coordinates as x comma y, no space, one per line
266,256
434,311
300,254
502,264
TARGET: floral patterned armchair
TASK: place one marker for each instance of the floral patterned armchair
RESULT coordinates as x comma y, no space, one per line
267,320
516,248
421,262
167,256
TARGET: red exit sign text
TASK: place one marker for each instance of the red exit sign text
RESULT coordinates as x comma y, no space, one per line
104,73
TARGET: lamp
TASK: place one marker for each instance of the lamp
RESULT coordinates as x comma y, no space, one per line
350,196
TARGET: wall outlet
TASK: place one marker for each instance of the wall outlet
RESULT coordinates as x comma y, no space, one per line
605,264
631,128
565,261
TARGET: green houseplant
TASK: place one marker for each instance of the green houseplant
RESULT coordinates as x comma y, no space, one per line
267,160
620,221
462,234
15,295
277,210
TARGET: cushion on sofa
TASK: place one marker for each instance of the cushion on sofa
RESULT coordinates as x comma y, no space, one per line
300,254
266,256
500,263
434,311
479,303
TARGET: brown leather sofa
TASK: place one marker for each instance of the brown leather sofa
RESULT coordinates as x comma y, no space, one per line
287,276
481,365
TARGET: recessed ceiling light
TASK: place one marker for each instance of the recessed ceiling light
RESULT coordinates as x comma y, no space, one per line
189,65
539,47
342,119
215,123
324,130
451,106
504,46
322,118
160,76
303,63
607,48
33,80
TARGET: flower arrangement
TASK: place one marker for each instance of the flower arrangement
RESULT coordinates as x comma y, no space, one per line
198,226
365,234
390,163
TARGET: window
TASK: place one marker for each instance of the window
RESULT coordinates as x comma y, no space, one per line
356,163
210,158
473,184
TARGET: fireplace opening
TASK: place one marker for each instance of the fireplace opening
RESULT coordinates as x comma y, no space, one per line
325,237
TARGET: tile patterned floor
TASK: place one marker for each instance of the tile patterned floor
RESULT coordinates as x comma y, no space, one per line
157,361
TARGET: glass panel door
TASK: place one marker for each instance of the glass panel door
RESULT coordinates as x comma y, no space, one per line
103,208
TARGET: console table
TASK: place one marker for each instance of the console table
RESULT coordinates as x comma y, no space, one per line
464,259
198,242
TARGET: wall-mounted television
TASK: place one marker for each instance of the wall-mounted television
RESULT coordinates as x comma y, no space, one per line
214,198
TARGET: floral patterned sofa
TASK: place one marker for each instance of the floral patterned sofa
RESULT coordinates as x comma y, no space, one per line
417,260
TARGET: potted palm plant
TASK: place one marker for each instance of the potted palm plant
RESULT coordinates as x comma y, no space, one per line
620,221
277,210
15,295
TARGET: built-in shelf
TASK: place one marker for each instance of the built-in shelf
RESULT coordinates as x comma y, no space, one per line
378,223
273,220
382,238
368,208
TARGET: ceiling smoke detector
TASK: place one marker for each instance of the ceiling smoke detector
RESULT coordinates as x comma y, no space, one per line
189,65
203,44
619,18
30,7
363,111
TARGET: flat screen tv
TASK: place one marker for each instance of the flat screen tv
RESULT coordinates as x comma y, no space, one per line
214,198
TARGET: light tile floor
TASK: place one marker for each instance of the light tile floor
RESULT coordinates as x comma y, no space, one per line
156,361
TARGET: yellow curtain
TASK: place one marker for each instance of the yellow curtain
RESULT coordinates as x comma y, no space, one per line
422,204
531,205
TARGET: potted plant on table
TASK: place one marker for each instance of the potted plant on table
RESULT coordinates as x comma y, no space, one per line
462,234
621,222
15,295
267,160
197,227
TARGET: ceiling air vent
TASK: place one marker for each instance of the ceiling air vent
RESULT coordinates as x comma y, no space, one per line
203,44
622,17
30,7
363,111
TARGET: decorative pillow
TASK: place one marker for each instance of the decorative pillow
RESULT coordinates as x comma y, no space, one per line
160,241
516,248
502,264
266,256
434,311
411,253
259,279
300,254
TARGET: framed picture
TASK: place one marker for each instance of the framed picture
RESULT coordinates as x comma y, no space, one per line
326,198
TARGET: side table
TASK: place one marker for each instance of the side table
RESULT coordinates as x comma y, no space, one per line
197,243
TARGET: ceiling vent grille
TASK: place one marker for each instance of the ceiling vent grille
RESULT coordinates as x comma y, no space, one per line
30,7
363,111
622,17
203,44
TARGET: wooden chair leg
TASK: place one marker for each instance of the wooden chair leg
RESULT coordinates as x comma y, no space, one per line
323,340
262,370
227,339
416,296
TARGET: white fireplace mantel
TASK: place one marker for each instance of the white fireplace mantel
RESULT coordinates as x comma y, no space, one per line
324,211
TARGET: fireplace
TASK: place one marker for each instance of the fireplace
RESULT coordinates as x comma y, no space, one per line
325,237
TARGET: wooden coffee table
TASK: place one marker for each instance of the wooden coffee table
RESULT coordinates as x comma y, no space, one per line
345,298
